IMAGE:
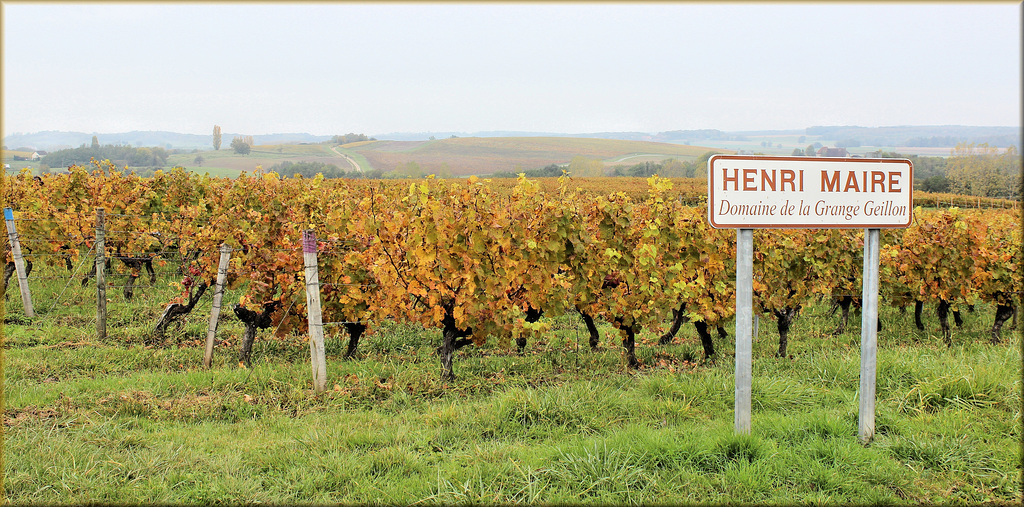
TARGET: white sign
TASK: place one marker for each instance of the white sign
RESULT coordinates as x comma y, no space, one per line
758,192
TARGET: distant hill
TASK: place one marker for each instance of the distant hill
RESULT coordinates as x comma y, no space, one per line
942,136
425,136
928,138
458,156
938,136
54,140
462,156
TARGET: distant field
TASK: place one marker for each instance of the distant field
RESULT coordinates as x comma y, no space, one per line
924,151
455,156
487,155
225,162
17,165
464,156
12,153
357,144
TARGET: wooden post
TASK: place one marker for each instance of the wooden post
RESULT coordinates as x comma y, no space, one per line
19,263
869,337
744,312
101,276
317,356
218,295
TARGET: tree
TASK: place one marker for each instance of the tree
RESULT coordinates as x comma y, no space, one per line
95,143
582,167
810,152
120,155
411,170
937,183
216,137
982,170
797,152
444,171
672,168
199,160
350,138
240,146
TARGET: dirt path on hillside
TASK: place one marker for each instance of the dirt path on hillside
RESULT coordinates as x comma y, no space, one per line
350,160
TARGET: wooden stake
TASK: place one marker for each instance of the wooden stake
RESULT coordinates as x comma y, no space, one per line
317,356
218,295
101,276
19,263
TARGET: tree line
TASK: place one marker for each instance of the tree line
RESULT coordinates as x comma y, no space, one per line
971,169
351,138
118,154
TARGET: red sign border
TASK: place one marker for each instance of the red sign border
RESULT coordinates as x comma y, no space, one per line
711,192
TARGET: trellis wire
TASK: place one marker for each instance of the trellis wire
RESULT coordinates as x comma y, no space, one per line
70,279
165,256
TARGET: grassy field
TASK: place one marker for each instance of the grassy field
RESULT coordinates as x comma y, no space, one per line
18,165
464,156
477,155
225,162
124,420
456,156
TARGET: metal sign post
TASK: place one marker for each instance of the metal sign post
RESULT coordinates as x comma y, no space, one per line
869,337
744,326
748,192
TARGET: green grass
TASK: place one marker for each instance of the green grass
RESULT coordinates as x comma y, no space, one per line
120,421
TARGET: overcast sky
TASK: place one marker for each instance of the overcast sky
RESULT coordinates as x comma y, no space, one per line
329,69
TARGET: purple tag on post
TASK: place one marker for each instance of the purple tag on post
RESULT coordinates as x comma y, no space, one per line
308,241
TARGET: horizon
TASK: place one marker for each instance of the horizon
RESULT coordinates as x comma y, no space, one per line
327,69
908,140
308,133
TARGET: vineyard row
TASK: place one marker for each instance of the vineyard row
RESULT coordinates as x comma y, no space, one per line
479,260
